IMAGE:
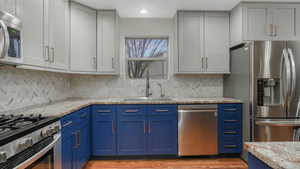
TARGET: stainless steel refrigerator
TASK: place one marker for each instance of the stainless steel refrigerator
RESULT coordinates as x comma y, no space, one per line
265,76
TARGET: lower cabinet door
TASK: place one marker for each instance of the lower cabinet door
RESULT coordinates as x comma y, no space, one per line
162,135
131,130
255,163
67,153
104,130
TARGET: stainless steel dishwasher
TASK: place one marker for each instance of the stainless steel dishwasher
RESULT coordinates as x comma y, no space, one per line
197,130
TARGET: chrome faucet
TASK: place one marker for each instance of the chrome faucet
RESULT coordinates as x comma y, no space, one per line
148,94
162,95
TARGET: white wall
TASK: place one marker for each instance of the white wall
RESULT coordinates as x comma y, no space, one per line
179,86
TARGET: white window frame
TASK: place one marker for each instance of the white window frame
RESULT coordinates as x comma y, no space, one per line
166,59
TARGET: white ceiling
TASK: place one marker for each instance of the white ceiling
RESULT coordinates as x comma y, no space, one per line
162,8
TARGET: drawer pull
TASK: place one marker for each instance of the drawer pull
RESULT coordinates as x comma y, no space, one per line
103,111
67,124
161,110
230,121
131,111
230,132
83,116
230,146
230,109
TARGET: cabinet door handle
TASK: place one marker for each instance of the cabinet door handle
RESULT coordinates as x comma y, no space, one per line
83,116
230,132
103,111
230,146
271,30
230,121
79,138
162,110
275,30
131,111
67,124
145,127
46,55
53,55
113,127
149,127
230,109
202,62
113,63
95,62
75,139
206,62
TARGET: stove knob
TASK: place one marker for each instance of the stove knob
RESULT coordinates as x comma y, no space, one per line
29,142
56,129
3,157
45,133
25,143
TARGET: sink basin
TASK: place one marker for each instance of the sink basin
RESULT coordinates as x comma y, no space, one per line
143,99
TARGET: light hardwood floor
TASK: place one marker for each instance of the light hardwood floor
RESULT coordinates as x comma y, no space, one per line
202,163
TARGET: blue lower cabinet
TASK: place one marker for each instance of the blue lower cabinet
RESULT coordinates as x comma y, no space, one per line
67,152
132,126
162,130
230,126
76,143
104,130
255,163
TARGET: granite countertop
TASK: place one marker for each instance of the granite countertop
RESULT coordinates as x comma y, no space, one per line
278,155
63,108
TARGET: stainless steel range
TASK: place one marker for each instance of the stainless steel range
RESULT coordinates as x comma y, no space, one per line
28,142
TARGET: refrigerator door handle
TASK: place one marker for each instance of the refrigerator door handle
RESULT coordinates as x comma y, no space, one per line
285,63
293,72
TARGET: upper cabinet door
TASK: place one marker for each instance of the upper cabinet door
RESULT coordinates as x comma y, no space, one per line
216,42
258,22
106,41
57,34
33,33
285,22
83,38
190,41
8,6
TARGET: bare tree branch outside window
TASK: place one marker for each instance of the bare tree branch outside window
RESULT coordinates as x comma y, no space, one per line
146,53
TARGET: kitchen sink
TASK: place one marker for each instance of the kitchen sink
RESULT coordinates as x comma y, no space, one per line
143,99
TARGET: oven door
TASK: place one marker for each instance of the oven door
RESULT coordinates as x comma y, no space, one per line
48,158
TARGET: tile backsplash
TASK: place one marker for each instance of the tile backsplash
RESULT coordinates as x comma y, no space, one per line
22,88
181,87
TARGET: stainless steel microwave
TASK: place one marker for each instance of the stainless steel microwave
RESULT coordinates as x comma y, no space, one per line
10,39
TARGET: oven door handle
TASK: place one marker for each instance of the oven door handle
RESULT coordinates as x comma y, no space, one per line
6,39
39,154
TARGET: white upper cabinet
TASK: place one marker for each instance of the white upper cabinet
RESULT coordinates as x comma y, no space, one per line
203,43
107,42
190,41
258,22
83,55
34,51
286,22
58,55
216,50
43,33
264,21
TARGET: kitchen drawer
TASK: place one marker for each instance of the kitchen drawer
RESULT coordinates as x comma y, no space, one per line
231,124
159,110
103,111
230,144
231,133
230,111
131,110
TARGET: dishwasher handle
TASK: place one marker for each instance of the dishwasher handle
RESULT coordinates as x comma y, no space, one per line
197,111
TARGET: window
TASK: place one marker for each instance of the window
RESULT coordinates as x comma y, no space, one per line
147,54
